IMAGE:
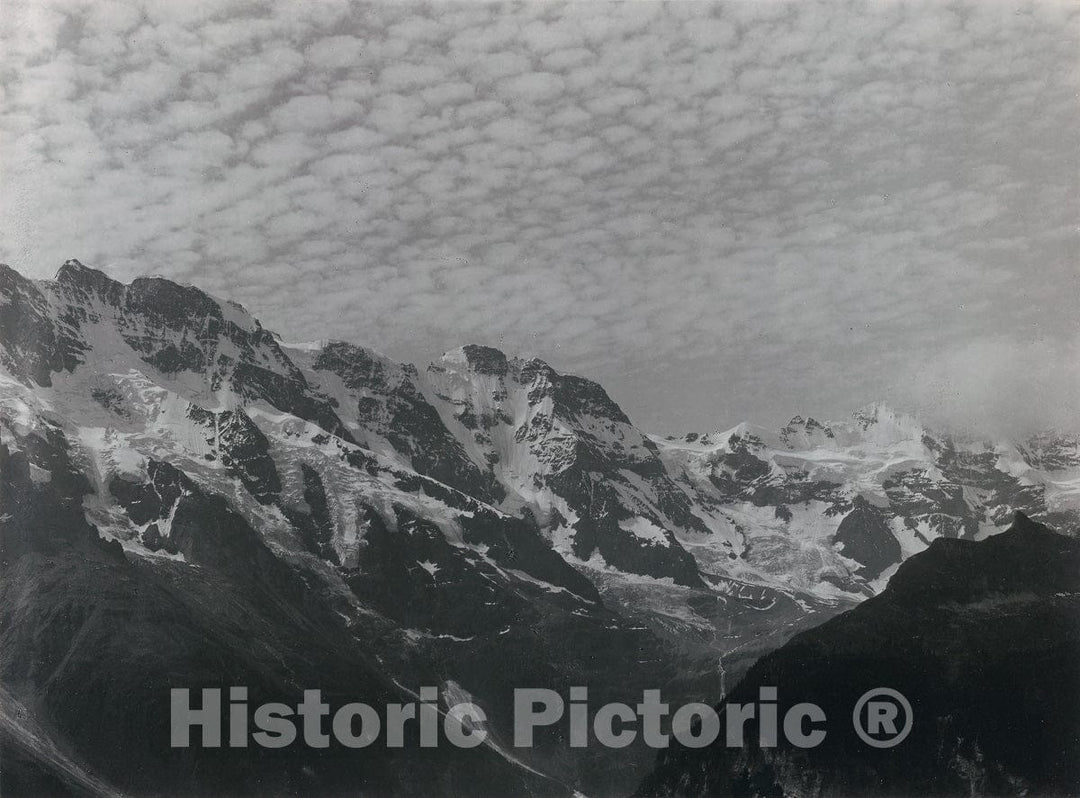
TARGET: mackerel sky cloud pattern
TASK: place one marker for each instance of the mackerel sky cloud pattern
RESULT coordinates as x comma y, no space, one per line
720,211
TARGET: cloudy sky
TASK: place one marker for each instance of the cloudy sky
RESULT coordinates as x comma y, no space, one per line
722,211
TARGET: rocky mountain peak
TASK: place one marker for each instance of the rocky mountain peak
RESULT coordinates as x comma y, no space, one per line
172,302
805,432
572,396
474,359
357,366
485,359
80,283
880,414
74,270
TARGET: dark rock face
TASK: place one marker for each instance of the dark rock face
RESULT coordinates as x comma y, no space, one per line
865,537
28,345
314,522
486,360
289,392
983,639
577,396
804,426
516,543
41,517
413,575
583,450
736,472
243,449
738,468
393,406
600,510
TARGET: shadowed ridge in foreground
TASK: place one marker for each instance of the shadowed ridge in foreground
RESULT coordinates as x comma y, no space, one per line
982,638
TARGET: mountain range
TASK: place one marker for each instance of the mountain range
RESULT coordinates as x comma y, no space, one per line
187,497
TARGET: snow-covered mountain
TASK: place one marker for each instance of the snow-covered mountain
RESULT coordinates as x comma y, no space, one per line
842,504
486,521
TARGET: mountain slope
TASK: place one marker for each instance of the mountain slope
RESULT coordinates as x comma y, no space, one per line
982,638
93,640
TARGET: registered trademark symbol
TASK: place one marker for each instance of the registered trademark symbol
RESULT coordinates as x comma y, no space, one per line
882,717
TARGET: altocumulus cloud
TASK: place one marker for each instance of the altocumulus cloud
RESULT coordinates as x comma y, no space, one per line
721,210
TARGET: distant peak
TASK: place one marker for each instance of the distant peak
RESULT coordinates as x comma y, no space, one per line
745,432
74,268
481,359
799,426
75,274
809,423
872,414
882,415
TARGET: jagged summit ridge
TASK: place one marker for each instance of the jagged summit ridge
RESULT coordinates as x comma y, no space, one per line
95,335
748,503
